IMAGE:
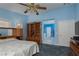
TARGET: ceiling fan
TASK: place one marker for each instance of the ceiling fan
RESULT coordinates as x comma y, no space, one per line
33,7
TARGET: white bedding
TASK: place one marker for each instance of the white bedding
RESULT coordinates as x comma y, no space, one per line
18,48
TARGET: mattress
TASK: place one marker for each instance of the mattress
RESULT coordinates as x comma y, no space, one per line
14,47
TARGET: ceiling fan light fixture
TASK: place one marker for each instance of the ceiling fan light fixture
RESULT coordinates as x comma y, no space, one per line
37,13
25,11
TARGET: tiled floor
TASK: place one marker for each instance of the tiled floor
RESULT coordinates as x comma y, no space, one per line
52,50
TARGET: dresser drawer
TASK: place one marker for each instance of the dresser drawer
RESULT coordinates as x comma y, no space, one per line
75,48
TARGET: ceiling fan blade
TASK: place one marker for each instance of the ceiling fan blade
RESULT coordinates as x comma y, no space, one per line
42,8
23,4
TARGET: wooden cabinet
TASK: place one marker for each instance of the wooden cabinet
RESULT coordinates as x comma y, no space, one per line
75,49
34,32
17,32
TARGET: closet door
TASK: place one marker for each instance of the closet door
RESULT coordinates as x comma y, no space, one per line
32,29
33,32
37,32
30,32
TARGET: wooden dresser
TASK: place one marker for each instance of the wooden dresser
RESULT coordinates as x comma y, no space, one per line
75,48
18,33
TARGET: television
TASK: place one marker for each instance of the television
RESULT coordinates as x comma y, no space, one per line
76,37
77,28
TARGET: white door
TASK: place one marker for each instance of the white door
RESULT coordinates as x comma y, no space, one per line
65,32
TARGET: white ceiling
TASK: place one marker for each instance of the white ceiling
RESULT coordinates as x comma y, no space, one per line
15,7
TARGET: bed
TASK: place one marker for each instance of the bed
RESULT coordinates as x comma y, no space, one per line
14,47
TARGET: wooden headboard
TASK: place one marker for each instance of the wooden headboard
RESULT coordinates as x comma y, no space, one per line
15,33
5,37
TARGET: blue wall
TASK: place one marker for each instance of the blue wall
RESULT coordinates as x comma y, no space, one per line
77,12
62,13
14,18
